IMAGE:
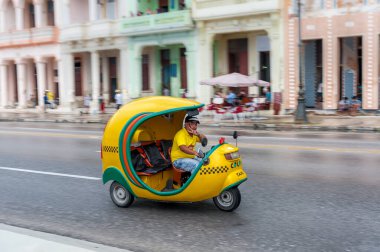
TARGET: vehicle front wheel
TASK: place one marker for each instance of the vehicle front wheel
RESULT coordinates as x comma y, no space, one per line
228,200
120,196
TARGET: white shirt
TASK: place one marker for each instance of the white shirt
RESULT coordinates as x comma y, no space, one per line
87,101
119,98
320,88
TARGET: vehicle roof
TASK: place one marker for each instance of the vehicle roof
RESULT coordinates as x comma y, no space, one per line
157,104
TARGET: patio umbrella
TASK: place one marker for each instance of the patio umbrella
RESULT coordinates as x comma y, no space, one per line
260,83
233,80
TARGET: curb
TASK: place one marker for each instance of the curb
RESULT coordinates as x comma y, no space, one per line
223,125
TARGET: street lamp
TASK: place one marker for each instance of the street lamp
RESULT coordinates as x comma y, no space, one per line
301,116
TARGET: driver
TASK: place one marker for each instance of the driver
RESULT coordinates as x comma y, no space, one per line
183,155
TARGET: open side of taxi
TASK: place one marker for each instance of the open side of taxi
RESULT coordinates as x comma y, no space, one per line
136,157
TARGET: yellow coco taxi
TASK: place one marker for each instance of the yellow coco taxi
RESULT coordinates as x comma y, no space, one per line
136,157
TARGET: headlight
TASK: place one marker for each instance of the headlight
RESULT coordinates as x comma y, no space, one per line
232,155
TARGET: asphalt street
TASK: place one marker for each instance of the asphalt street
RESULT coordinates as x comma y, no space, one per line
305,192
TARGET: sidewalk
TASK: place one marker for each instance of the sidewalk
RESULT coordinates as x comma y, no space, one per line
14,239
317,120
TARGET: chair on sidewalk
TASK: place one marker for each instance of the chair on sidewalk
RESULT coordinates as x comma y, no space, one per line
219,113
238,113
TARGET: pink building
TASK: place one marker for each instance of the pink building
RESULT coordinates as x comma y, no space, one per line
340,50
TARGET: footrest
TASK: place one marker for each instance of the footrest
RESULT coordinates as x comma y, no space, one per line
180,176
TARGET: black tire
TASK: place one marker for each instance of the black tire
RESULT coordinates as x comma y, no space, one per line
120,196
228,200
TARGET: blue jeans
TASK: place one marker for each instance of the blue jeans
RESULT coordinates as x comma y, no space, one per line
187,164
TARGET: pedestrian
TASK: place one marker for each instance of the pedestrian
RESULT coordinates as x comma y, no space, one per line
101,104
166,91
46,100
231,97
118,99
320,92
50,96
344,104
184,94
86,103
355,105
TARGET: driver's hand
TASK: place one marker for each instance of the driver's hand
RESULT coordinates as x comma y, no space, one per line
200,154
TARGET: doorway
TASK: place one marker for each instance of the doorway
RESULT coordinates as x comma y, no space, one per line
165,69
112,77
183,68
350,68
78,76
313,77
238,58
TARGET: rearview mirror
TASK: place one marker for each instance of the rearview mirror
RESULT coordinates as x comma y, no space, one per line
204,142
235,135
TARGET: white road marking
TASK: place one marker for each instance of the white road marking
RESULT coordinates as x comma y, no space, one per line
49,173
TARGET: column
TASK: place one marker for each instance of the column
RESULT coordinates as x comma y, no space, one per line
175,82
205,66
86,76
21,83
190,63
61,84
125,74
63,10
106,79
370,65
275,58
134,72
68,80
127,8
19,18
38,7
253,63
95,81
12,83
92,8
58,13
31,83
2,20
41,81
330,68
50,76
3,84
188,4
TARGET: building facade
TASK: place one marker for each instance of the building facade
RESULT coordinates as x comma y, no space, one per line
340,50
240,36
144,47
29,52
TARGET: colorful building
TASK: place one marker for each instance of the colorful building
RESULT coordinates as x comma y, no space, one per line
145,47
240,36
340,50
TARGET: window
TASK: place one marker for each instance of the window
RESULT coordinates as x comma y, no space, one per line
145,72
163,6
50,13
111,9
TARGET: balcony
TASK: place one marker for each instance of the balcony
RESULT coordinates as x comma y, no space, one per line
97,29
29,37
216,9
157,23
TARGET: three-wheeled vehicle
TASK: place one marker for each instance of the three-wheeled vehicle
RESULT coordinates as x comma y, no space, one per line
135,154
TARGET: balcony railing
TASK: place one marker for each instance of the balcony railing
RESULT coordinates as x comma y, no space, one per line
157,23
30,36
216,9
97,29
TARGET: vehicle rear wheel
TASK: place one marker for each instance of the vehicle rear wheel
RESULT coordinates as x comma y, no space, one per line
120,196
228,200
